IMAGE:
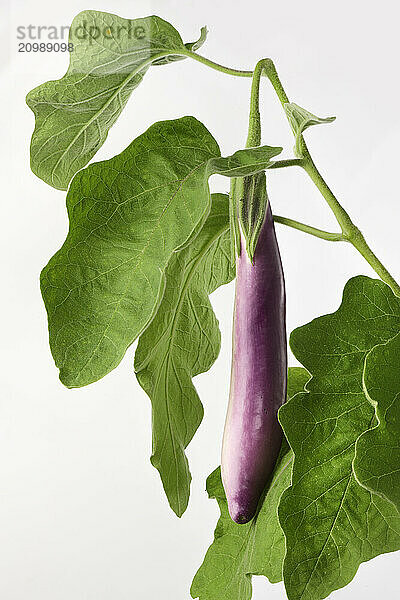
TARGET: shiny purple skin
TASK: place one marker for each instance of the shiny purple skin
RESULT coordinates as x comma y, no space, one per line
253,436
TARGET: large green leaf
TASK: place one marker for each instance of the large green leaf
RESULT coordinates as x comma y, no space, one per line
127,217
256,548
331,523
377,460
183,340
73,114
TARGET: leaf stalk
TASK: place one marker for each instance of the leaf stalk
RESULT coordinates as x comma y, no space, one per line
214,65
319,233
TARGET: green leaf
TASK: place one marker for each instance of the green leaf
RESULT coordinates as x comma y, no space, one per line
256,548
377,460
127,217
331,523
74,114
182,341
301,119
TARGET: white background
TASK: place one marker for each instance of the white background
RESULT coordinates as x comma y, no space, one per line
82,512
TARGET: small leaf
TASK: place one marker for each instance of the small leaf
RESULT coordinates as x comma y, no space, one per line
300,119
127,217
377,460
182,341
74,114
331,523
256,548
245,162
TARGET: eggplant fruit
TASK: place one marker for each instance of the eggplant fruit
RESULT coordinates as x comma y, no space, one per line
252,435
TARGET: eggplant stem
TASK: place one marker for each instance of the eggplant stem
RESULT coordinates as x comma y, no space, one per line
254,131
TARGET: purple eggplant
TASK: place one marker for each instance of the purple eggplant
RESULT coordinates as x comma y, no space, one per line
253,436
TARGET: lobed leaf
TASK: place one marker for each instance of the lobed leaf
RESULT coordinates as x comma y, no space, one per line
128,215
256,548
331,523
74,114
182,341
377,459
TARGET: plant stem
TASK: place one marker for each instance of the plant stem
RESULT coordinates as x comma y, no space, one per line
214,65
237,195
319,233
350,232
254,131
342,217
272,74
361,245
288,162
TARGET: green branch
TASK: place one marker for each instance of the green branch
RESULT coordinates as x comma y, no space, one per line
288,162
254,131
319,233
350,232
214,65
